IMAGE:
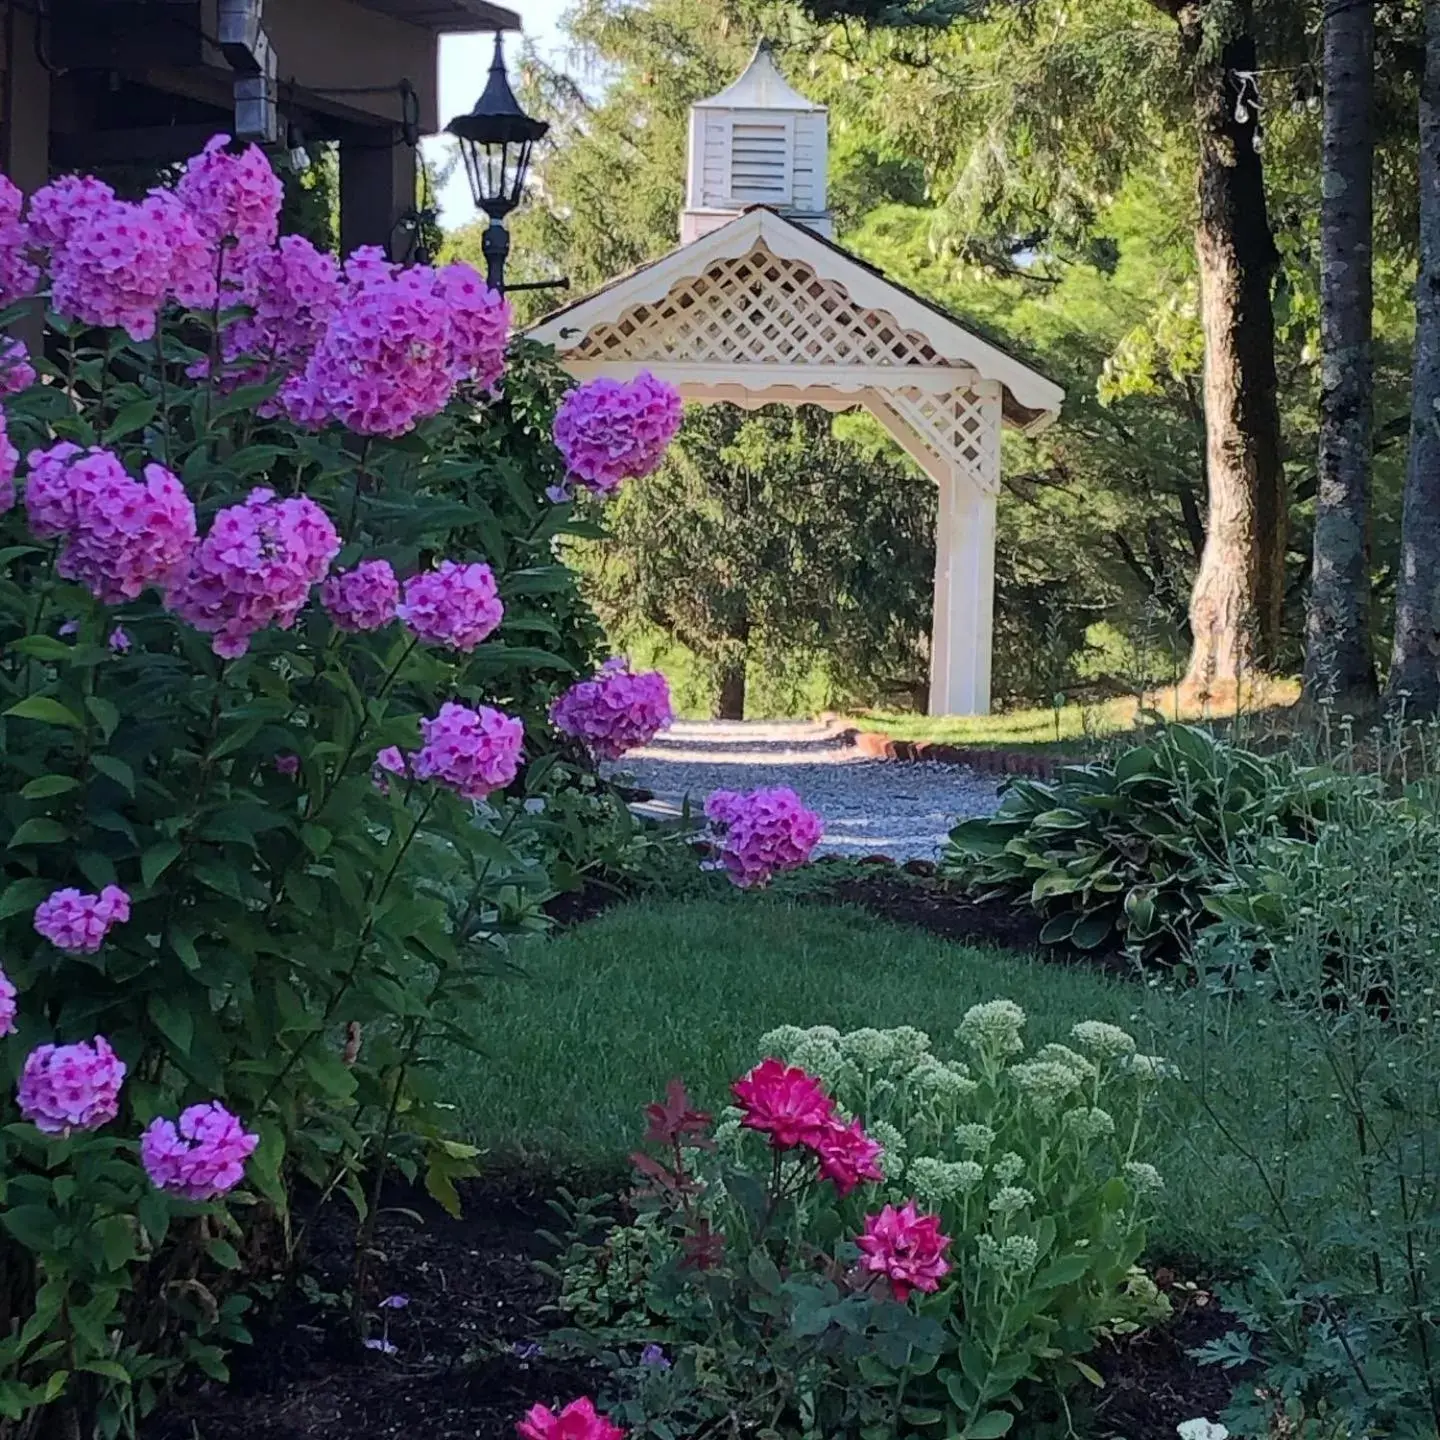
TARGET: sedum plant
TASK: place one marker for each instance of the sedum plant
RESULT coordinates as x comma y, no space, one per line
280,620
878,1239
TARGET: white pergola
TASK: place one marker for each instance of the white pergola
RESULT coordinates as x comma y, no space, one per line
759,308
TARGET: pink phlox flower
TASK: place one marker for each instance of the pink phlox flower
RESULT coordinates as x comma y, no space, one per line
9,460
192,258
363,598
785,1103
8,1007
19,276
118,640
71,1087
114,267
613,430
255,568
471,751
455,605
579,1420
78,922
234,197
388,762
616,710
201,1158
16,371
293,291
121,534
479,324
384,361
847,1155
766,831
287,765
905,1246
54,209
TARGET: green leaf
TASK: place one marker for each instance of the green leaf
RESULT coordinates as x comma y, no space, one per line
23,895
172,1020
43,647
43,786
115,769
40,831
117,1241
32,1225
130,418
47,711
105,714
154,862
222,1252
990,1426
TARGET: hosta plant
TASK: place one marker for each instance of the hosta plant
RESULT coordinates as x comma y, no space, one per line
878,1239
1125,853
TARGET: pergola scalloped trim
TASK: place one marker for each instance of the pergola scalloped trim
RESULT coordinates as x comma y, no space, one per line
761,311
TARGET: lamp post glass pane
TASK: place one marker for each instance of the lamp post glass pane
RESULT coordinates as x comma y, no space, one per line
496,170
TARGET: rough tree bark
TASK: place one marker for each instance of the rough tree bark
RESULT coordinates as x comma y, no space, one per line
1415,660
1236,604
731,704
1339,660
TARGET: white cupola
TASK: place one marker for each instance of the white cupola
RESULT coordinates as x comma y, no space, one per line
758,142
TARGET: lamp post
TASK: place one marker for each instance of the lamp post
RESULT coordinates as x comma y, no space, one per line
496,139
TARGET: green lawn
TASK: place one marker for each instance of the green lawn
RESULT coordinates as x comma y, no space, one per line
603,1016
1072,730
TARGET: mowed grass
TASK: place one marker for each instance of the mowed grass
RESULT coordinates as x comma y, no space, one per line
601,1017
1074,729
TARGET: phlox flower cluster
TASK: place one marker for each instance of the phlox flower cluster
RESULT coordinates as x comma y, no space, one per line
470,751
293,291
793,1108
455,605
19,276
9,459
114,265
77,922
616,710
765,831
613,430
579,1420
16,371
906,1247
204,1156
235,198
54,209
390,761
254,568
363,598
121,534
8,1007
397,345
71,1087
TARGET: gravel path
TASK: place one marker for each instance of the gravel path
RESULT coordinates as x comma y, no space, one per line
870,807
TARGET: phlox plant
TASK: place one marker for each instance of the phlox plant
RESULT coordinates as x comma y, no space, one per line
280,623
879,1240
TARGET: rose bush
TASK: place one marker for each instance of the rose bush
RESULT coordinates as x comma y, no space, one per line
279,537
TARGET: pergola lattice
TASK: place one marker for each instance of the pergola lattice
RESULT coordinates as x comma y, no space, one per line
762,310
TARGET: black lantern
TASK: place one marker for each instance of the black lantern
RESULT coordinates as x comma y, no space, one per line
496,139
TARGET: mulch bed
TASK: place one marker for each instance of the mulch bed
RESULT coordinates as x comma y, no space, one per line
466,1365
470,1343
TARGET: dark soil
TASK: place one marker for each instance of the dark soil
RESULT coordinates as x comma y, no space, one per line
468,1356
1152,1383
470,1343
942,908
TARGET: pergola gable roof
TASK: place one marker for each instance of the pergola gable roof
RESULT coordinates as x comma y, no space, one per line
1031,400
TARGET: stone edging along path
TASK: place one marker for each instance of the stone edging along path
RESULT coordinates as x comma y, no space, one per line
877,745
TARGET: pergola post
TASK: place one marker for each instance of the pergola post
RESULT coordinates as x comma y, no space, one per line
962,627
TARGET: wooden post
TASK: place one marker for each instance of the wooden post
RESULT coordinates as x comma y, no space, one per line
377,188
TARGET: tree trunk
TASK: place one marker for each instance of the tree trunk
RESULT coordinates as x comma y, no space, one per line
1339,662
1415,661
1236,603
731,705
